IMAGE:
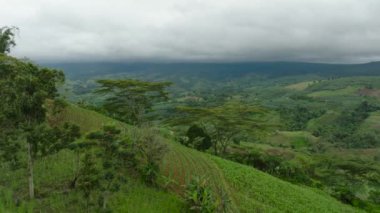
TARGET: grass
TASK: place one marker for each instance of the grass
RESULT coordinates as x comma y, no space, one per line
295,139
348,91
87,120
182,163
300,86
372,122
249,189
258,192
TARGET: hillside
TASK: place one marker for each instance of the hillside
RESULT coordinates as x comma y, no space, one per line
215,71
249,189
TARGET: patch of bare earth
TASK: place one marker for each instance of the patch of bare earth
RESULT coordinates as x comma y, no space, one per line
369,92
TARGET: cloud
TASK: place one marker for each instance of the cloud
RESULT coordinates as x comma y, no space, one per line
337,31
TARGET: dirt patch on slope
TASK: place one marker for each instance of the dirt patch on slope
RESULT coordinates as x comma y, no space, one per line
369,92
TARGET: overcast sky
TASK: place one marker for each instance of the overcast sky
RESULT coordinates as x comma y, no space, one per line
336,31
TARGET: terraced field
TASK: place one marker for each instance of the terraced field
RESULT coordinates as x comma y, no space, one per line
248,189
256,191
182,163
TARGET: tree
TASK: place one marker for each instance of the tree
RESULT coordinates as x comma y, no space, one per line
198,138
344,130
129,100
112,150
223,122
296,118
150,151
24,90
7,39
88,181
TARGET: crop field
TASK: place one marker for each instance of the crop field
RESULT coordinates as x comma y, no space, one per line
358,154
259,192
247,188
300,86
87,120
373,122
182,163
348,91
296,139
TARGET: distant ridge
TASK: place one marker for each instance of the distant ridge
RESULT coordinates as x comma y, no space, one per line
218,70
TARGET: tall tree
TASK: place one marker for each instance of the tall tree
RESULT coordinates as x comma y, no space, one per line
7,40
24,90
223,122
129,100
114,152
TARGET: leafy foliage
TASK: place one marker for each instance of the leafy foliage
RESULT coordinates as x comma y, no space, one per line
344,130
114,152
129,100
24,90
151,150
297,118
197,138
223,122
199,196
7,39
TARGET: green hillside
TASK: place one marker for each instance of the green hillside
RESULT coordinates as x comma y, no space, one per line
249,189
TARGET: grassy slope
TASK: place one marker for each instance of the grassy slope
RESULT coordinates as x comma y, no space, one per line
372,123
54,173
249,189
299,86
339,92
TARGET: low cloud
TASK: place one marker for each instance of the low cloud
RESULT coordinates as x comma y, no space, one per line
341,31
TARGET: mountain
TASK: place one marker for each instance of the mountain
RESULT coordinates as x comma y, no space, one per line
216,71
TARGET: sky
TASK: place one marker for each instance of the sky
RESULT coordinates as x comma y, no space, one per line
331,31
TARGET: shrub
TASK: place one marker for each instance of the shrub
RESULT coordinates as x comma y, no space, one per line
199,139
199,196
151,149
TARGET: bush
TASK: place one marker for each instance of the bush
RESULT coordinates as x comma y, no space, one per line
199,196
198,138
151,150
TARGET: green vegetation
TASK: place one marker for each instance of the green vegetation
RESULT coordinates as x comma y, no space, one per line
224,142
300,86
7,40
339,92
223,123
129,100
267,194
199,197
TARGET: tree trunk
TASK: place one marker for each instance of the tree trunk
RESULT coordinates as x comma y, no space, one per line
215,148
224,145
30,172
105,197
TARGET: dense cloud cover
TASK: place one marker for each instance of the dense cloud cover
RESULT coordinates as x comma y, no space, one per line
337,31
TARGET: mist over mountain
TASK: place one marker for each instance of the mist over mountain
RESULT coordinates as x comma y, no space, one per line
216,70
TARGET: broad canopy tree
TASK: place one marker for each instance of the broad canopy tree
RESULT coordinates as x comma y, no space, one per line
129,100
222,123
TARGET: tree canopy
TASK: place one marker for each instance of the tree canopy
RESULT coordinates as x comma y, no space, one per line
129,100
24,90
223,122
7,40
